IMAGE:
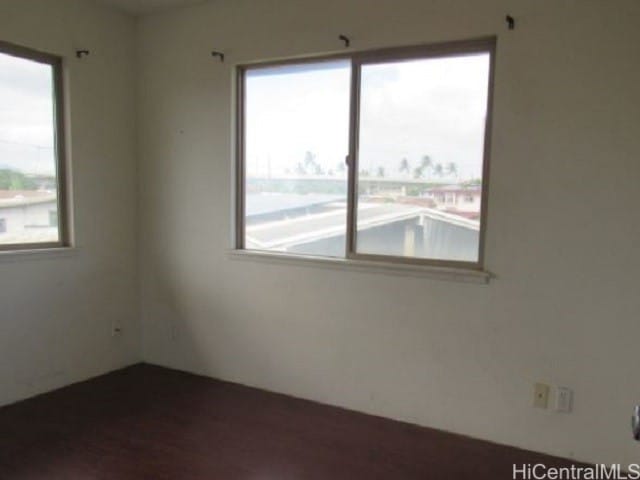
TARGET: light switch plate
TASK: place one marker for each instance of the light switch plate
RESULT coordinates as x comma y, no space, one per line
564,400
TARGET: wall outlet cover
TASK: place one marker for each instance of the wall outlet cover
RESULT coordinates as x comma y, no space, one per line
541,395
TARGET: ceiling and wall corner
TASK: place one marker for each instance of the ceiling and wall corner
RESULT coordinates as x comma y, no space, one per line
145,7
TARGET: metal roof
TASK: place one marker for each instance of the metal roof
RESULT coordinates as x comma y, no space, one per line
283,233
261,203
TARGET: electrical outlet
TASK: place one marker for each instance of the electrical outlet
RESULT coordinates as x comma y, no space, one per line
541,395
564,400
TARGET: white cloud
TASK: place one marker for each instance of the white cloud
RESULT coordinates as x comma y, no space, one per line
26,115
434,107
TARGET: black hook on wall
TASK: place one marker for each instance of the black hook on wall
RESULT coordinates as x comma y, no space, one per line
345,39
82,53
511,22
220,55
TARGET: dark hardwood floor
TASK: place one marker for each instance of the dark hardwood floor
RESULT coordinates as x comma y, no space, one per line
147,422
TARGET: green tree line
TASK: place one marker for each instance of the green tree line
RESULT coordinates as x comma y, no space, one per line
12,180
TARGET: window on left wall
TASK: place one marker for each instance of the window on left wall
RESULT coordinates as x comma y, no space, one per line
32,174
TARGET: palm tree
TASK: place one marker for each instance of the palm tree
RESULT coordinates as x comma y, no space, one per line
404,166
438,169
309,159
426,164
417,172
381,172
452,169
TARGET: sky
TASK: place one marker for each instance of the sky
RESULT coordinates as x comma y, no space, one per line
26,116
292,110
409,109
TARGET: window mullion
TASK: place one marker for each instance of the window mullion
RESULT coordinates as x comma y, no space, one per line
61,160
352,162
240,164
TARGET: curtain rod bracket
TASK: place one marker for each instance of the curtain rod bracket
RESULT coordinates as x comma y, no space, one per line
82,53
511,22
220,55
346,40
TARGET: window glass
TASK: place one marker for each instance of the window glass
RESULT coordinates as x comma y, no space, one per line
413,126
420,158
28,183
296,141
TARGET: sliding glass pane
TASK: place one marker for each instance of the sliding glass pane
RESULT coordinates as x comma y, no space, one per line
420,158
28,185
296,141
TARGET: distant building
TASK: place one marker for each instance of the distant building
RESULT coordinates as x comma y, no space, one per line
457,199
28,216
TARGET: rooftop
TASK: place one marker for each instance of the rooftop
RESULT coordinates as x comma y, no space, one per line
18,198
457,188
263,203
285,233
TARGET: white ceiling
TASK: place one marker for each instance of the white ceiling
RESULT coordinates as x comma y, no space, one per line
141,7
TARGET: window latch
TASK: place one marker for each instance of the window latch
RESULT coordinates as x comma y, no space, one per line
347,161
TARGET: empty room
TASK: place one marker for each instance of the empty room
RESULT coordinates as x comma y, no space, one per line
319,239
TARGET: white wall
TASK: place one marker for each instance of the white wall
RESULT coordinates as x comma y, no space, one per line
562,241
57,311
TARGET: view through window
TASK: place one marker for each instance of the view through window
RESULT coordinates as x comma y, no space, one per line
297,131
420,158
29,207
417,155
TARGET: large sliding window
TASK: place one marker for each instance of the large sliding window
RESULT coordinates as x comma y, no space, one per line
375,155
32,179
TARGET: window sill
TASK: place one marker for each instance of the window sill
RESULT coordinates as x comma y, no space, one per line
440,273
9,256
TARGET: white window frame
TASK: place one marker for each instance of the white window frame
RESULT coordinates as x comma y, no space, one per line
358,59
56,64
